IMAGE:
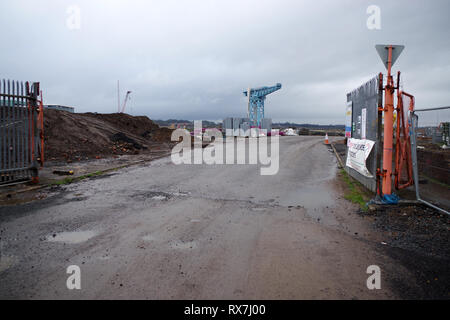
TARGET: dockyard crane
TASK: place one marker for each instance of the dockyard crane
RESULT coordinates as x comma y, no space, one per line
256,98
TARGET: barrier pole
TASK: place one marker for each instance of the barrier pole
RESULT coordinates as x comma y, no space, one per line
388,129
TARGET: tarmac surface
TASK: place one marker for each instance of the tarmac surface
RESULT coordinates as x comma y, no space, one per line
162,231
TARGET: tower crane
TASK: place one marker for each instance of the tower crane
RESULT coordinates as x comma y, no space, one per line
256,98
127,97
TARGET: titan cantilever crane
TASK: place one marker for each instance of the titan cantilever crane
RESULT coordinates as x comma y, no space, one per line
256,98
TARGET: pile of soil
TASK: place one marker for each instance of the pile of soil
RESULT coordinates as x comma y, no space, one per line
82,136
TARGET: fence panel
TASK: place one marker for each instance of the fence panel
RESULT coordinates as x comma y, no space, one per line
433,155
365,115
21,132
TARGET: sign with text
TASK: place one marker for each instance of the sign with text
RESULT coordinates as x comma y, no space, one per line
358,152
363,123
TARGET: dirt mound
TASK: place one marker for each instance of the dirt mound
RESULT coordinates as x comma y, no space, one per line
82,136
122,137
125,122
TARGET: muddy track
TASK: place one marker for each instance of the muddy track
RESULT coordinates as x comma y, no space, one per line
160,231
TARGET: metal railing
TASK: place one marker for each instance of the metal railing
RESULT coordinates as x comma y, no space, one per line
443,171
21,132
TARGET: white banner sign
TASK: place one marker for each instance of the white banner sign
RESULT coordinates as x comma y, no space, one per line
358,152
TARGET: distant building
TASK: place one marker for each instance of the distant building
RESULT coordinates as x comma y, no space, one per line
59,108
240,127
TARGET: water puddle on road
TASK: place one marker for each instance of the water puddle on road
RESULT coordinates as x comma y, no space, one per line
180,194
160,198
72,237
319,202
316,197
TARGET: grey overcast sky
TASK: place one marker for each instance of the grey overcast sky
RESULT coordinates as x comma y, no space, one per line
192,59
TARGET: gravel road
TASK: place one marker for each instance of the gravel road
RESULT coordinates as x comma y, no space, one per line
161,231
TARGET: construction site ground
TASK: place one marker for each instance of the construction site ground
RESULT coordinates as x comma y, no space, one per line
160,231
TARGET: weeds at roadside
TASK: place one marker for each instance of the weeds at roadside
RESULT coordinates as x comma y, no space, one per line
354,192
80,178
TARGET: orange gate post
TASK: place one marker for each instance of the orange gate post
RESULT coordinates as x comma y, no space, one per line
388,54
388,129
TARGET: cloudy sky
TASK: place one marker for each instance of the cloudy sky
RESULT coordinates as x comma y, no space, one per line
192,59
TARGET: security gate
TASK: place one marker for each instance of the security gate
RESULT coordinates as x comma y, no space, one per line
21,132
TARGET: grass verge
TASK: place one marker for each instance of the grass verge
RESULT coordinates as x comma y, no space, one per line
354,192
70,180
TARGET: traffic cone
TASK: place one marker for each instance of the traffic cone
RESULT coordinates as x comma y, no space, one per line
326,139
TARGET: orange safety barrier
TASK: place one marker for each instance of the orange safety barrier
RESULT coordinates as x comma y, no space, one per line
403,159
